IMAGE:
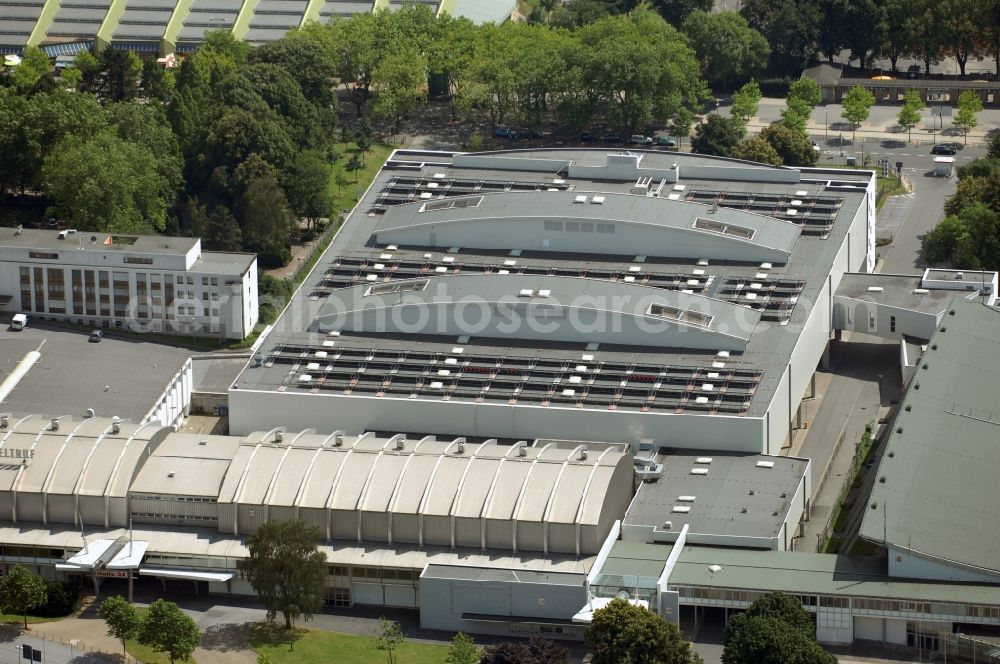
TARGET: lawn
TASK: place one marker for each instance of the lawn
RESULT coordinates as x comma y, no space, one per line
346,196
307,645
18,619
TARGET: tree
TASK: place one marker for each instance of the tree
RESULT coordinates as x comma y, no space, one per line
746,101
389,638
283,564
264,658
34,65
622,632
758,150
793,146
927,38
776,629
969,104
122,620
354,164
717,136
169,630
796,114
909,115
729,50
807,90
768,640
222,233
505,652
962,30
400,78
675,12
967,240
546,651
463,650
121,74
104,183
70,78
792,28
857,103
308,187
896,29
155,82
662,79
21,590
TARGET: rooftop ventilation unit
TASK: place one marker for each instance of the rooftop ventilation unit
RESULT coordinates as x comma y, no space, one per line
54,424
875,289
203,442
699,471
703,460
278,437
685,499
597,200
89,414
765,464
338,440
583,455
681,509
170,474
522,451
400,444
4,421
580,199
921,291
116,426
714,569
667,525
460,448
525,292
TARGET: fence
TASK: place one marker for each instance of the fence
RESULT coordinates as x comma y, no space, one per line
960,649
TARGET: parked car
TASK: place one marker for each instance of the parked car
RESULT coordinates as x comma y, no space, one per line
614,139
19,322
95,336
666,142
530,132
639,139
816,147
504,132
588,137
943,148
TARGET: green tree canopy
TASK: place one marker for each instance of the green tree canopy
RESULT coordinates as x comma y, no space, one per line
969,105
621,632
283,564
105,183
675,12
746,101
717,136
122,620
909,114
35,64
969,240
856,104
791,27
806,90
21,590
792,145
169,630
756,149
769,640
729,50
463,650
308,186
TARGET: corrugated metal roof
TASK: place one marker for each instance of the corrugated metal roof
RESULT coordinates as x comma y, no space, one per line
813,573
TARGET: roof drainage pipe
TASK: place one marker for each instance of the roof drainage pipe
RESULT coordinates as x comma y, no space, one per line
22,368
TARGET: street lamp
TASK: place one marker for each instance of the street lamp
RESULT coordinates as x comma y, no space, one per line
826,129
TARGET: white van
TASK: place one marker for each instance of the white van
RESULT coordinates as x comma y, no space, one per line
18,322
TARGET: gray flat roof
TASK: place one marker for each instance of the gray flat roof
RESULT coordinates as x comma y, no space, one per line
216,374
936,491
118,376
30,238
789,290
896,290
736,497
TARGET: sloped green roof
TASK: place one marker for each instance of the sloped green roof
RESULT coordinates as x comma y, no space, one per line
937,490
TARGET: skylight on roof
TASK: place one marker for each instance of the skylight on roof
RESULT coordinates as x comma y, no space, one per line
685,316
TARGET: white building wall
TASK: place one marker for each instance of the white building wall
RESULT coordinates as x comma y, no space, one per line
909,565
251,410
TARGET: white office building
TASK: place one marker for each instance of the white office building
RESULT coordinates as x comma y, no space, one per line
140,283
